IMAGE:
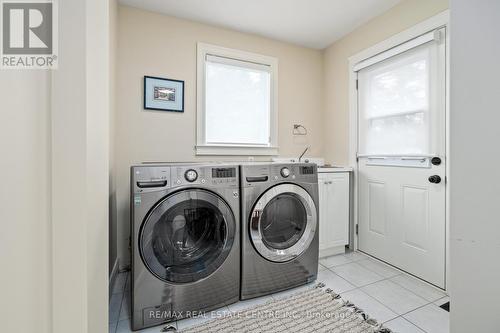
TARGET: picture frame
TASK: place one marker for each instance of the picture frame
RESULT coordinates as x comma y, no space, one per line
163,94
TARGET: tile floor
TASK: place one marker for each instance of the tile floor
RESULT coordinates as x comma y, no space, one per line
403,303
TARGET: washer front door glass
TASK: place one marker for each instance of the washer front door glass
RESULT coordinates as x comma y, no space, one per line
283,222
187,236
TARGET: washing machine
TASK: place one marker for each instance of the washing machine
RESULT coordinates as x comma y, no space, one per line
185,240
279,247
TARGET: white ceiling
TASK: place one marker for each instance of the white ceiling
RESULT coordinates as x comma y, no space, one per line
310,23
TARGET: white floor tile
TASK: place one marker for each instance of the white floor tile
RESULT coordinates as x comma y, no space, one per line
114,307
383,300
120,281
126,306
356,256
401,325
112,327
441,301
356,274
419,287
127,284
430,318
395,297
332,261
242,305
124,327
369,305
379,268
334,282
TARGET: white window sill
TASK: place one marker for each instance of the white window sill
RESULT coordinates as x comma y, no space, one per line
237,150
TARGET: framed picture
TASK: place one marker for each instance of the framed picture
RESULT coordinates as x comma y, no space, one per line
163,94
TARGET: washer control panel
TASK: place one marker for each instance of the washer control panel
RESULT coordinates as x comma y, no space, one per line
152,178
224,175
186,175
203,175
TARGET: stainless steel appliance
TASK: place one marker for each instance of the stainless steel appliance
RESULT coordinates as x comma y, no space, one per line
185,240
279,227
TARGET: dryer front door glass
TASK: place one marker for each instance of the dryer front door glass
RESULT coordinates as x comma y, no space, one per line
187,236
283,222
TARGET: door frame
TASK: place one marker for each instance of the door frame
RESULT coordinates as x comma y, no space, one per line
438,21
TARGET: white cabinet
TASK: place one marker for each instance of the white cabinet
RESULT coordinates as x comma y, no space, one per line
333,212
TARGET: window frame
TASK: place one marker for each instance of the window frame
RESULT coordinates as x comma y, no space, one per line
202,147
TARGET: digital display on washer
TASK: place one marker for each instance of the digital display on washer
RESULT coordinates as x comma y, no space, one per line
223,172
306,170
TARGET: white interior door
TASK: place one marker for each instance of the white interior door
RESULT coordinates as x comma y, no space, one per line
401,158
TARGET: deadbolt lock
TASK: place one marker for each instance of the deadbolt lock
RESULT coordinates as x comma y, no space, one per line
436,161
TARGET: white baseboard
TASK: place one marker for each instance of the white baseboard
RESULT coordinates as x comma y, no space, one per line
331,251
112,277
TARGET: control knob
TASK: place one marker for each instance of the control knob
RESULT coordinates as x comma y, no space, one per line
191,175
285,172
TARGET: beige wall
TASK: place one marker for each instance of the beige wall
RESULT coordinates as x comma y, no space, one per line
113,45
53,156
336,87
80,154
158,45
25,239
97,157
474,227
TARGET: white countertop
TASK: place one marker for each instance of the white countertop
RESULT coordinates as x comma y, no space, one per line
317,160
325,169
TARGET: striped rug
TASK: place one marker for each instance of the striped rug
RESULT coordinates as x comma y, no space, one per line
314,310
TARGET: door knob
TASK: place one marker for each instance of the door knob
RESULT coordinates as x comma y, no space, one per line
435,179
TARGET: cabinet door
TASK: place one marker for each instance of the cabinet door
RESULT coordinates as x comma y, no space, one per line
323,203
334,209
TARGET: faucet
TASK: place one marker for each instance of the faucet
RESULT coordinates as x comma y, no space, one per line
303,153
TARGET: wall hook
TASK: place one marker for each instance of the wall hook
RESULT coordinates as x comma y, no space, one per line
299,130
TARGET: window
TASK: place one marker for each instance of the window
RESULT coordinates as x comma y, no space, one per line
237,109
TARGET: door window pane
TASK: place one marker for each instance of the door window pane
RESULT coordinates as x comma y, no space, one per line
395,104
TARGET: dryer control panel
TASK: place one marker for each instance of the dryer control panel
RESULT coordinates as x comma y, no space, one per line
294,172
259,174
280,172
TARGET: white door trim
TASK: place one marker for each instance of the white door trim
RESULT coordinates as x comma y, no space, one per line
438,21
